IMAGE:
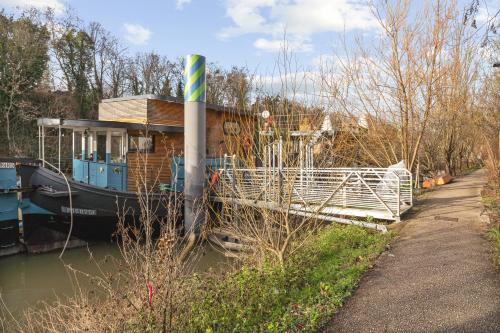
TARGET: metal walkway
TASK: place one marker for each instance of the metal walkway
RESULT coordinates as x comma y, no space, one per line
331,194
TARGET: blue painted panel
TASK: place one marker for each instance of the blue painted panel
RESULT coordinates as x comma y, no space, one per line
117,177
80,171
125,178
8,178
102,175
92,173
178,173
85,177
177,176
98,174
8,206
215,163
77,170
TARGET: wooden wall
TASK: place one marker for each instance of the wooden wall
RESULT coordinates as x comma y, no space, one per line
130,111
165,113
162,112
157,163
170,144
220,143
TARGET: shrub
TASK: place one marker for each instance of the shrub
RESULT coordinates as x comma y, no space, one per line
298,296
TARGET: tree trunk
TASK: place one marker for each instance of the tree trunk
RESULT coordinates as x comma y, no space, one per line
7,131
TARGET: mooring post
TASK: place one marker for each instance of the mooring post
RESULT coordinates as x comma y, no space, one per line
233,188
194,142
39,142
43,146
280,170
59,145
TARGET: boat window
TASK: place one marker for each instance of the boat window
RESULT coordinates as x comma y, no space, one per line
116,148
101,146
142,144
77,149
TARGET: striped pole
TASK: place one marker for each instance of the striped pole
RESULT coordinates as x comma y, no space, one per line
194,142
194,90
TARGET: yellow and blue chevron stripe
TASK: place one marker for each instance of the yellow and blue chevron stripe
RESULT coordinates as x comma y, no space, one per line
195,88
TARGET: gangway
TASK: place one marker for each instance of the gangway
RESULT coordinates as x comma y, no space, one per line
356,196
331,194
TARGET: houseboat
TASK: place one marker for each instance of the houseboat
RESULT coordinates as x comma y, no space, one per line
132,151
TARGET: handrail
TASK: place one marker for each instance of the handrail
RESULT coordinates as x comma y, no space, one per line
348,189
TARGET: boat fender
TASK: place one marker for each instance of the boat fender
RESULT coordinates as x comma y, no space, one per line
214,178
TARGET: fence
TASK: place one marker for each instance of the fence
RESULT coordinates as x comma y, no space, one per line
382,193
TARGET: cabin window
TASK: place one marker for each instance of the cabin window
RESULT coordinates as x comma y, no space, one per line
117,148
77,148
142,144
101,146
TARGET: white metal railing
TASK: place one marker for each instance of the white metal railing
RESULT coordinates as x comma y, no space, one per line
379,192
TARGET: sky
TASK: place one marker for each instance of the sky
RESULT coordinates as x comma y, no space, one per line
229,32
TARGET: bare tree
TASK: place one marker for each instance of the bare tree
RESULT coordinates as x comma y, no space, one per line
107,77
450,142
117,75
395,82
266,156
150,73
488,123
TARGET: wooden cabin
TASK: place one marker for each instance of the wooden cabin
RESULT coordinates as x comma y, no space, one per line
112,151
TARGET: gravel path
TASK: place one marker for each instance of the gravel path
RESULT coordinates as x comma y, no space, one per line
438,275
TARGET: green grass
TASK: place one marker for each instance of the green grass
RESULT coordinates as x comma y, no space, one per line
301,296
491,200
494,237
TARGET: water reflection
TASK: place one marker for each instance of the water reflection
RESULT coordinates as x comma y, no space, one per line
26,279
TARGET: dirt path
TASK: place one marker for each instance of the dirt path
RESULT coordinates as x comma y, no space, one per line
438,275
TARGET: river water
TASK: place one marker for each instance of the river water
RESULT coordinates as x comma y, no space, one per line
27,279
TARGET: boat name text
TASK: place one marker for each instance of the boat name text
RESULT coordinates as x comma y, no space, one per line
7,165
78,211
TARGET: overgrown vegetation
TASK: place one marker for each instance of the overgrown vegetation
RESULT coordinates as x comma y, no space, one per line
489,125
491,201
298,296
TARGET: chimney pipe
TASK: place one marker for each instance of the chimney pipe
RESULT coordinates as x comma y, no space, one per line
194,142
